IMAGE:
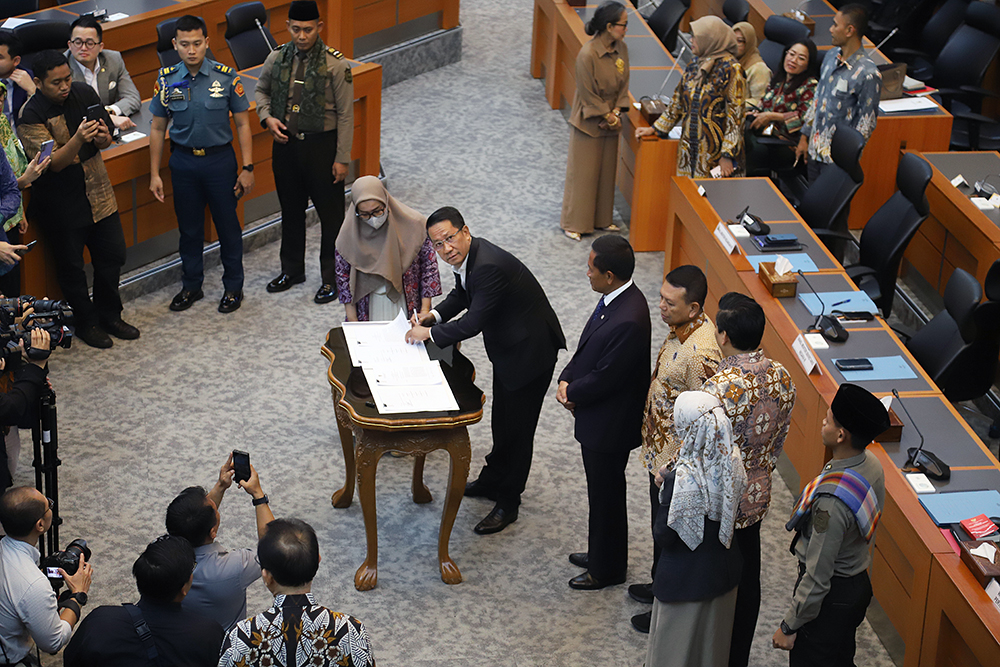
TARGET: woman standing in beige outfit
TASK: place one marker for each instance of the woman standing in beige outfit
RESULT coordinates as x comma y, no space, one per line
601,95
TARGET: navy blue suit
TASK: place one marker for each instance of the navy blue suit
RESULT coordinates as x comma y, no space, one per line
18,96
608,380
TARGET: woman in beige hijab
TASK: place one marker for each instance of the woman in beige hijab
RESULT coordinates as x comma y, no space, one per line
715,88
756,70
385,262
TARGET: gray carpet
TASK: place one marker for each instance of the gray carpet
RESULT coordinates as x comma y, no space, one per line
143,420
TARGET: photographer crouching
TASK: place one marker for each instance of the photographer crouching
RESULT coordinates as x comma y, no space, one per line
29,611
28,383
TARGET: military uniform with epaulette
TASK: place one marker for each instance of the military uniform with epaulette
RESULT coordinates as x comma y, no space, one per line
203,168
312,94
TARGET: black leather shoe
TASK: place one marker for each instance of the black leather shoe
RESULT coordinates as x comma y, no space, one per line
94,337
641,622
580,559
230,301
476,489
184,299
283,282
326,293
585,582
641,593
495,521
121,329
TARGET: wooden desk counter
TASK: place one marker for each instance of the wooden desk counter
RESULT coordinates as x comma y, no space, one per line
961,624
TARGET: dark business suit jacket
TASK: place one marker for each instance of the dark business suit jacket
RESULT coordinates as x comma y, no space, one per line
609,375
19,96
113,81
505,302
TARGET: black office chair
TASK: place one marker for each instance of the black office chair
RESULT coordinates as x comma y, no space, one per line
165,31
665,21
41,36
888,232
779,32
932,38
958,348
14,7
247,35
735,11
826,203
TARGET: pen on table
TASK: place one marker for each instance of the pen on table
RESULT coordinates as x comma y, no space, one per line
840,303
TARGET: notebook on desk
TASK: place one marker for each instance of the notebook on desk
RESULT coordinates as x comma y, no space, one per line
951,507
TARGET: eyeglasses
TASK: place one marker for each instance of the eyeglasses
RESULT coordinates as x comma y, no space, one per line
52,506
79,42
449,240
621,25
373,214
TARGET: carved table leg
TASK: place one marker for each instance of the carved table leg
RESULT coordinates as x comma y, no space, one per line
345,495
421,494
460,453
369,453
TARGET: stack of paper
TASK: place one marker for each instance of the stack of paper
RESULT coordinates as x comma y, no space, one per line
906,104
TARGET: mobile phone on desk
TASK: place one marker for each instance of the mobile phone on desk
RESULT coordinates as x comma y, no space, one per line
856,364
46,151
241,464
24,251
781,239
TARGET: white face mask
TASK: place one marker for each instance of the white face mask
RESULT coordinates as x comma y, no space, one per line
378,221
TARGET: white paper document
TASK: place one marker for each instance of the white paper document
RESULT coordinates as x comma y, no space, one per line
805,355
132,136
400,375
117,16
906,104
372,343
410,388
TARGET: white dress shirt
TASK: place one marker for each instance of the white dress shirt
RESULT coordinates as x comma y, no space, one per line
90,77
460,272
28,607
608,298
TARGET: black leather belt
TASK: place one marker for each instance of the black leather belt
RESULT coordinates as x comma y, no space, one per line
198,152
301,136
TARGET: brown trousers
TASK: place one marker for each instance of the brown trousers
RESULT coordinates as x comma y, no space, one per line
589,197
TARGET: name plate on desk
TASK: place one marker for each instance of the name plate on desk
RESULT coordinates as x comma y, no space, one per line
805,355
726,238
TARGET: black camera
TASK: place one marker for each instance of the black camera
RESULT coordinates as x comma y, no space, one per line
55,317
68,559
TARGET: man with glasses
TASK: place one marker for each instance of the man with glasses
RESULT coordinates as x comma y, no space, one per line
29,612
103,70
305,99
521,332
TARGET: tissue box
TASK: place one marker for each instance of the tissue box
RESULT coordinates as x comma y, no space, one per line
778,286
804,19
895,431
982,569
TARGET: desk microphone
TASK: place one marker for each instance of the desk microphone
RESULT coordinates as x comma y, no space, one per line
680,54
920,459
800,15
887,38
985,189
828,326
264,34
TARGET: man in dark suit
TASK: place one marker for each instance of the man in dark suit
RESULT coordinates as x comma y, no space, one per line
605,385
19,81
522,338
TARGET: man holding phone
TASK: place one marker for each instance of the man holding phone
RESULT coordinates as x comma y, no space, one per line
73,200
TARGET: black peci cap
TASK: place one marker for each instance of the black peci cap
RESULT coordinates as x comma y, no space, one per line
303,10
858,411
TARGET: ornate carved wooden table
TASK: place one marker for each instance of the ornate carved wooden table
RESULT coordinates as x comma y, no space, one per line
365,436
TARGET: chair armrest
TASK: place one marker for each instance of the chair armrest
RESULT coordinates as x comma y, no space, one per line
859,271
975,118
832,233
908,54
982,92
904,332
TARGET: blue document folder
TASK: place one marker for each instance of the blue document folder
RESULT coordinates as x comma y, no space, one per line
945,508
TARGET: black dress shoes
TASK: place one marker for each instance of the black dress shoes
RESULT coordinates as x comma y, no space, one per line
94,336
326,293
641,622
580,559
185,298
641,593
283,282
495,521
476,489
585,582
230,301
121,329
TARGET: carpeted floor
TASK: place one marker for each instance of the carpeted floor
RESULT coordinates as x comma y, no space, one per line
141,421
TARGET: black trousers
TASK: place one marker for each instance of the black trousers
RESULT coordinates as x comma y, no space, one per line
303,170
106,243
10,282
654,505
515,416
607,540
829,640
747,597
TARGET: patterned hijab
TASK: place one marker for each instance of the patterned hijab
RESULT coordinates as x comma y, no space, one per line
710,478
715,39
387,251
751,56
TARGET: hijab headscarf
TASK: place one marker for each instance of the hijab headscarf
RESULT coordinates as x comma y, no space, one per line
709,475
715,39
751,56
387,251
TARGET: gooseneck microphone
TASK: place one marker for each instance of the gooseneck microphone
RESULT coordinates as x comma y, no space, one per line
828,326
918,457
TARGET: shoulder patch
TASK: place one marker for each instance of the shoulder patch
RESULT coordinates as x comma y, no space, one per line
334,52
821,521
168,70
225,69
348,77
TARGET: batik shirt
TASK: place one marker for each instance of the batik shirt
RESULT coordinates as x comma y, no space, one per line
847,92
758,395
792,104
688,357
296,632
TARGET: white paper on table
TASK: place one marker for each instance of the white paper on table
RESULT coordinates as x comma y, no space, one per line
132,136
675,132
117,16
959,180
725,238
399,375
372,343
13,22
805,354
427,398
985,550
739,231
982,203
909,83
906,104
994,199
816,341
701,190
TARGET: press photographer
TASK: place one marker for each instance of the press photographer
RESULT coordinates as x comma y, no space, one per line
29,611
26,383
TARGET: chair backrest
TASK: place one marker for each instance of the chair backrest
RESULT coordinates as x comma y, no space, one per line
735,11
165,31
665,21
41,36
14,7
941,26
893,225
247,35
963,60
826,202
779,32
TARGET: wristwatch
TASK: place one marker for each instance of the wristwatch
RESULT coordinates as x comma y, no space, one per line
248,167
787,631
261,501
